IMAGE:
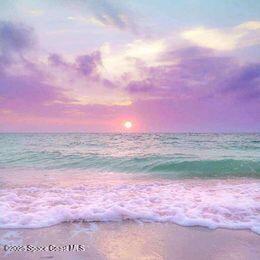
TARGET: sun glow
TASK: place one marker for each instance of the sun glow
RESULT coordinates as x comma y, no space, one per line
128,124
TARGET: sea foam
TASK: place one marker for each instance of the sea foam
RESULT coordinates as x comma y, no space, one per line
188,203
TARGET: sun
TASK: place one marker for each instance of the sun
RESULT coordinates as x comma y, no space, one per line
128,124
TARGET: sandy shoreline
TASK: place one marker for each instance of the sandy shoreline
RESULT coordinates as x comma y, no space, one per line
131,240
127,239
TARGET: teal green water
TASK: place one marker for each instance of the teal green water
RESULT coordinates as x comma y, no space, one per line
166,155
187,179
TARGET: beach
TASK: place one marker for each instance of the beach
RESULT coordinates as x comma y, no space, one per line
127,228
129,130
131,240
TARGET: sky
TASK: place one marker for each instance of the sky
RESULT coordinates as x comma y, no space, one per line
164,65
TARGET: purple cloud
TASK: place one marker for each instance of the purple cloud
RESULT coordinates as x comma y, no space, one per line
15,39
245,82
86,64
56,60
200,73
27,93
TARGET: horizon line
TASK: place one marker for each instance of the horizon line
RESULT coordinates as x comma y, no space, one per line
159,132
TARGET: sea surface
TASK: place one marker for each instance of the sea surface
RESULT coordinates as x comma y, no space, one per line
210,180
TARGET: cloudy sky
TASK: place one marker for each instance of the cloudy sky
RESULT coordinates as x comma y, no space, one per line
165,65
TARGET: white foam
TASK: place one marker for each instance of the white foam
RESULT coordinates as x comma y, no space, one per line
226,205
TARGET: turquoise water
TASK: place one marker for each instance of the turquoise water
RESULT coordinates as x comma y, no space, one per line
186,179
166,155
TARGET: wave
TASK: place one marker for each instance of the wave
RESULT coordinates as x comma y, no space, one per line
171,155
210,168
177,166
213,205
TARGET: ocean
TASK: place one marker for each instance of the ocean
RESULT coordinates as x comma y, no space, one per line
209,180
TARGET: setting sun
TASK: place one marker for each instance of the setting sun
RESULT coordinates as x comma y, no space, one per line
128,124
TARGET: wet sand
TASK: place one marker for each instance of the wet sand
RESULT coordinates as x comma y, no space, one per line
131,240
